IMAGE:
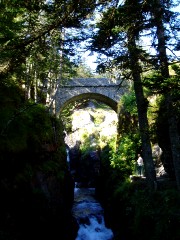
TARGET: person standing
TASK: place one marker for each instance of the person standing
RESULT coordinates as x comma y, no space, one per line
140,165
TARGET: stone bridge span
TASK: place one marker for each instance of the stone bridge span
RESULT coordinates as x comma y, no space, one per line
104,90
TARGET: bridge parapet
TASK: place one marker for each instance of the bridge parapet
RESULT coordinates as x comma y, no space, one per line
85,82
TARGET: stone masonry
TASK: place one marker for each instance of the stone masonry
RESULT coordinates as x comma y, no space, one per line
102,89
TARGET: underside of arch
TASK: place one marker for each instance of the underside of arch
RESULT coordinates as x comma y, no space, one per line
99,97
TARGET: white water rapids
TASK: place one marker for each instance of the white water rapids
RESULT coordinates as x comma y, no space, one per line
89,215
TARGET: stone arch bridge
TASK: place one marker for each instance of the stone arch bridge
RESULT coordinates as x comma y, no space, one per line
105,90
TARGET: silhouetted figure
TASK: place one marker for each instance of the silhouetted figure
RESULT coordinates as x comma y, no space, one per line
140,165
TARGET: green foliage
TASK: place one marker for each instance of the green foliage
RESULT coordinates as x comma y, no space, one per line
129,142
54,168
118,157
124,158
32,165
127,114
83,71
30,128
68,110
90,142
98,118
25,126
158,85
128,101
157,90
147,215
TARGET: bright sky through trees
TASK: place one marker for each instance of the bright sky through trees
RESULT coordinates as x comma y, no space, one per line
90,59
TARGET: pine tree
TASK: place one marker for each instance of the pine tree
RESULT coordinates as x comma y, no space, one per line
121,26
161,14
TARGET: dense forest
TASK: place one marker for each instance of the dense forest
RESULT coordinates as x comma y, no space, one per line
137,42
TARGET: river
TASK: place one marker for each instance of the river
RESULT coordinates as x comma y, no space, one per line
90,216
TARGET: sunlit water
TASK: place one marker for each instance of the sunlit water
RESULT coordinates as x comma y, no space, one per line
89,215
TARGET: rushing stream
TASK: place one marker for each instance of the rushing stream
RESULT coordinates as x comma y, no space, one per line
89,215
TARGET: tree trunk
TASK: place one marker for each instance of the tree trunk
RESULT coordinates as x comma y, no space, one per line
157,10
174,139
142,112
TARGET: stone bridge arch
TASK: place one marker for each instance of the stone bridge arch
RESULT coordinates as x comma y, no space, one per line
99,97
105,90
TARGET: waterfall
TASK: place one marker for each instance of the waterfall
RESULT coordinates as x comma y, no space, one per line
68,157
90,216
